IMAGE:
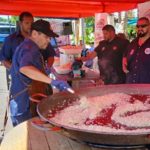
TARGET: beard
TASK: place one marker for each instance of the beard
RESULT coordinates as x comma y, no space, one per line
141,34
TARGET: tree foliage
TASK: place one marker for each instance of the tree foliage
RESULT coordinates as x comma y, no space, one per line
3,19
89,30
9,19
131,31
14,19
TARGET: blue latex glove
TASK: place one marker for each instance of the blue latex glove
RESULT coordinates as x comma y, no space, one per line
61,85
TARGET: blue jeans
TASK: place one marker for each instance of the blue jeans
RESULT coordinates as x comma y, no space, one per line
21,118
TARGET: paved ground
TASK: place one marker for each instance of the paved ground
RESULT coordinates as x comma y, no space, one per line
3,100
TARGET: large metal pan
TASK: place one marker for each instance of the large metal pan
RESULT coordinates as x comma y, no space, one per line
106,138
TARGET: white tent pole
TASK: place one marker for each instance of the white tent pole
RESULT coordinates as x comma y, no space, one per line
82,31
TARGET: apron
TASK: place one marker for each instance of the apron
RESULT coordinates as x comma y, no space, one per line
39,87
33,88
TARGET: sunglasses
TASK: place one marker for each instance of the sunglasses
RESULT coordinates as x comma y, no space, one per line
142,25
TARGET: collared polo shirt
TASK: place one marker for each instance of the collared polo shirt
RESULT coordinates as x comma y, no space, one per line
110,55
27,54
9,46
138,58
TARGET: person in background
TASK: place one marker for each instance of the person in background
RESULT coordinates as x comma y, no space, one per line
13,40
110,52
28,65
89,63
136,63
123,36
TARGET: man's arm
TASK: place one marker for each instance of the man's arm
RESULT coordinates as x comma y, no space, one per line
6,63
89,56
35,74
124,65
124,59
6,53
92,54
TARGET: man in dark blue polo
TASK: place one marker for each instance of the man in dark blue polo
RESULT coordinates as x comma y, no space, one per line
13,40
136,64
27,65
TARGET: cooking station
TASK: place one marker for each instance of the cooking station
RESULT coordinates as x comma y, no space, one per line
91,77
27,137
66,68
55,135
129,135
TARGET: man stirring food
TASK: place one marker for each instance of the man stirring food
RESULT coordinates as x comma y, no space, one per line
27,65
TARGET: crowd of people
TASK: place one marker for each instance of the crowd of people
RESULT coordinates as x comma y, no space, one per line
28,55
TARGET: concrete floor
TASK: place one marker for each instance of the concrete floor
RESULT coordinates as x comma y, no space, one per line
3,101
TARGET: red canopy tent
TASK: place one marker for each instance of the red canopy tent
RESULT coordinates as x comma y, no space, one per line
66,8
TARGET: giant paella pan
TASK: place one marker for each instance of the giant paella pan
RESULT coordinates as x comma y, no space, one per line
116,115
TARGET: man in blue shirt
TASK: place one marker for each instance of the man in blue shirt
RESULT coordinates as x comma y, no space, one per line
27,65
13,40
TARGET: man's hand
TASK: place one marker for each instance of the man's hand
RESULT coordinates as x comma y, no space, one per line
61,85
124,65
77,64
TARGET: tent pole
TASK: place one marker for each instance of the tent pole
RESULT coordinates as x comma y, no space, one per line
83,31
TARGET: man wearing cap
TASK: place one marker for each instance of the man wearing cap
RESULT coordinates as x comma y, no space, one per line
27,65
13,40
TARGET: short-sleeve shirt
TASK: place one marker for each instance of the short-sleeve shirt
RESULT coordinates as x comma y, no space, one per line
27,54
110,54
9,46
15,39
138,58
